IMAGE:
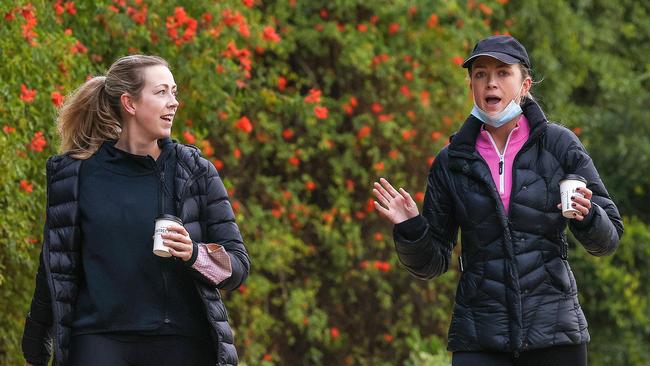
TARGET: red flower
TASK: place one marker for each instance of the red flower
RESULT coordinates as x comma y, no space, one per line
270,35
577,131
243,289
267,357
26,186
244,124
217,164
374,19
419,196
376,107
393,28
236,153
382,266
393,154
27,95
485,9
411,115
78,48
457,60
282,83
313,97
310,185
364,264
58,8
388,338
324,14
370,205
424,98
433,20
287,134
8,129
502,2
248,3
435,135
38,142
378,236
408,75
321,112
178,20
293,160
431,160
362,27
379,166
334,332
408,134
404,89
57,98
69,7
385,117
363,132
413,10
187,135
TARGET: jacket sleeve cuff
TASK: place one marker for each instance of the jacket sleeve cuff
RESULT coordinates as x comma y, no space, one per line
413,228
586,222
195,254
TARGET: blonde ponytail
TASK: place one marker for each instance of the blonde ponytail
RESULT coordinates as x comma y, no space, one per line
92,114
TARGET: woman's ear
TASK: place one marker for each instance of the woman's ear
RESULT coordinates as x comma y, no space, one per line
127,103
528,83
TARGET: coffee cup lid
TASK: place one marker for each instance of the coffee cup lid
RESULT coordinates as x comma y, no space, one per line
574,177
170,217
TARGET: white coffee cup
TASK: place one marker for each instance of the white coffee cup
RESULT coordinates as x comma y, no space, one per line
568,186
162,223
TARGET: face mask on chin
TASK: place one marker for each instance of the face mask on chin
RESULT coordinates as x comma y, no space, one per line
511,111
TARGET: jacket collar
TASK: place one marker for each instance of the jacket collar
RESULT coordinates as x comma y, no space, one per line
463,143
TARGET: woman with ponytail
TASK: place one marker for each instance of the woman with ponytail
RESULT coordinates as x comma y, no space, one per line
102,296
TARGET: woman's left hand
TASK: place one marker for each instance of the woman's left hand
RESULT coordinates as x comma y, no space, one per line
178,242
583,205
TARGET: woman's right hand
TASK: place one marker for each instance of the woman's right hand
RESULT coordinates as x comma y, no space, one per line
396,206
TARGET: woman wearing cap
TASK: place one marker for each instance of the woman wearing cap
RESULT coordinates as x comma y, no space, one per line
498,181
101,293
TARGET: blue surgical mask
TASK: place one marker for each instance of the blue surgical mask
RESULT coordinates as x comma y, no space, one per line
499,119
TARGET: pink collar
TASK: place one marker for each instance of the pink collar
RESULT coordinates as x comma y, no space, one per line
520,132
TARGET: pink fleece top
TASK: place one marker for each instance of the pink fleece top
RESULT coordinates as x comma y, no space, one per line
501,164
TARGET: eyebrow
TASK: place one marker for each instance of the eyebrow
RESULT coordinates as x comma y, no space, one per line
165,85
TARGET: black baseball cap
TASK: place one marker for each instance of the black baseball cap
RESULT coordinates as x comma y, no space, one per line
504,48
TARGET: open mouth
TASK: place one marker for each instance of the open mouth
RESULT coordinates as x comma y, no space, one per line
168,117
492,100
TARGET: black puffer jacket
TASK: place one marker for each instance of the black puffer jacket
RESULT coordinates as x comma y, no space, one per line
207,215
517,291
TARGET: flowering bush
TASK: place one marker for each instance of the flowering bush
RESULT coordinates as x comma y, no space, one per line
300,105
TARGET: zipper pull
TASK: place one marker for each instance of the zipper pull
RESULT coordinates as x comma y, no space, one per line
500,166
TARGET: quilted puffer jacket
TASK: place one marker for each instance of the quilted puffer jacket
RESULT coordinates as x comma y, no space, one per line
516,290
207,215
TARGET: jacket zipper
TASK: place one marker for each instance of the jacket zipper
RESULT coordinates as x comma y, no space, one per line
163,270
502,157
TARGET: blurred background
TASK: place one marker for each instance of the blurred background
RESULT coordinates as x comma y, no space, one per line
301,105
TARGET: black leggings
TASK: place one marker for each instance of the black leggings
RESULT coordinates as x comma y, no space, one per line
125,350
552,356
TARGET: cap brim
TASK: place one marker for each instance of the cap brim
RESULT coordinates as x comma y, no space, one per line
498,55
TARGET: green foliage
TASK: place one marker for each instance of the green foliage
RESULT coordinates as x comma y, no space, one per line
616,298
596,78
301,105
